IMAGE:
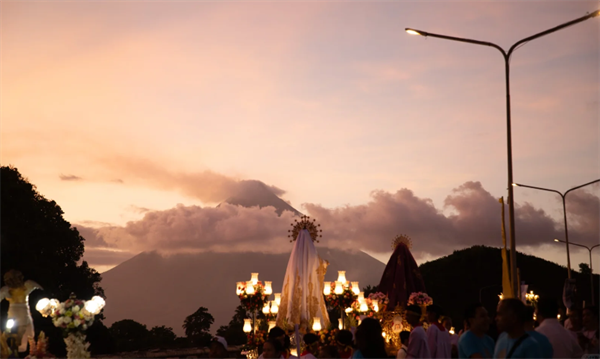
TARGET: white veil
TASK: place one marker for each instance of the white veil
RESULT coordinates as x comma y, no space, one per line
302,295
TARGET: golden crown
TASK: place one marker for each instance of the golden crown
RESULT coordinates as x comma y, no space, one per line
401,239
305,223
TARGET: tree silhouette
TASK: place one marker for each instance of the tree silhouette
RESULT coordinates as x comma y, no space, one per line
584,268
197,327
234,333
162,337
129,335
39,242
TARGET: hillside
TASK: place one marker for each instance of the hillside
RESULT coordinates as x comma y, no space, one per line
456,280
156,290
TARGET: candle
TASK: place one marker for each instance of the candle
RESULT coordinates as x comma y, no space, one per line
268,289
327,288
338,288
254,278
249,287
316,324
355,288
342,276
278,298
247,325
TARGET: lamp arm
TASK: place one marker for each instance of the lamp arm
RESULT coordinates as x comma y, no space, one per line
583,185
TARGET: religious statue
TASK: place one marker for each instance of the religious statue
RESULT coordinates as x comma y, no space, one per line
401,276
16,291
302,296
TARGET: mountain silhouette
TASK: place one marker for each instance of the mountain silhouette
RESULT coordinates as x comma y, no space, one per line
162,290
254,193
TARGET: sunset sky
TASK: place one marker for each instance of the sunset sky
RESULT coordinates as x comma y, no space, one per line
138,118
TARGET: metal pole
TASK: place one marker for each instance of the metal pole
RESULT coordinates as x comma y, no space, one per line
591,277
566,237
511,201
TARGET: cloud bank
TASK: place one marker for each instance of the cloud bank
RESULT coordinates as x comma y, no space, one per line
474,219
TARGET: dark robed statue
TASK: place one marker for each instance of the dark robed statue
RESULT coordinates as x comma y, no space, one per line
401,276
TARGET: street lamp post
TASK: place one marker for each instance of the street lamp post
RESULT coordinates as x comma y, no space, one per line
591,271
563,195
506,55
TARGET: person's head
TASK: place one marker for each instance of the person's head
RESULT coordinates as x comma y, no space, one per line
413,315
447,323
272,348
277,333
433,313
510,315
404,335
590,317
312,342
528,320
328,351
369,339
547,308
218,348
477,318
344,339
14,279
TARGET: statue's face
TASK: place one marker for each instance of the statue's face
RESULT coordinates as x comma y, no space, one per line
14,279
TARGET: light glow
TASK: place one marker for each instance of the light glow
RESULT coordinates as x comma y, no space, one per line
327,288
249,287
10,324
274,307
340,324
316,324
254,279
342,276
266,308
413,32
238,288
247,325
278,298
355,288
268,288
338,288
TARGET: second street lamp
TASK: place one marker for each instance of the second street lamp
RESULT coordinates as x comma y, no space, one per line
591,271
506,55
562,195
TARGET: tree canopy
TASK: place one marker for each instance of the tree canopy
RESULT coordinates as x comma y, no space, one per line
197,327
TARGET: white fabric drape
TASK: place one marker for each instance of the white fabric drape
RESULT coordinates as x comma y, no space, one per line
302,295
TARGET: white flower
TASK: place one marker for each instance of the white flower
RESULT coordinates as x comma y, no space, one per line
67,320
75,309
76,322
84,326
62,310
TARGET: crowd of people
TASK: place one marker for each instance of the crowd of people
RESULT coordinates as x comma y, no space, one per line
524,332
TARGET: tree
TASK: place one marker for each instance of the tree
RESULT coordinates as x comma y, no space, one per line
39,242
234,333
130,335
197,327
584,268
369,290
162,337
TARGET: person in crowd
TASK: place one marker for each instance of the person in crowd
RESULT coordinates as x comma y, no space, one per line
438,337
403,351
218,348
563,343
545,346
417,342
514,342
474,342
447,323
272,349
589,333
574,323
329,351
279,334
369,341
344,339
311,346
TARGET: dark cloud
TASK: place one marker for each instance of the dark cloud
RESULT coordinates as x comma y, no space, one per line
475,219
69,178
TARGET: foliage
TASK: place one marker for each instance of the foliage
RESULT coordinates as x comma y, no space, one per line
130,335
39,242
255,340
233,332
341,301
584,268
101,342
197,327
162,337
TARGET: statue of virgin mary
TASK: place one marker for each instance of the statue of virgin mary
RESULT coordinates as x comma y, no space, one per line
302,296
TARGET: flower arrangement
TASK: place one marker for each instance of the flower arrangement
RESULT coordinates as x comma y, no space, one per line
255,341
382,300
72,317
327,336
420,298
39,349
341,301
253,302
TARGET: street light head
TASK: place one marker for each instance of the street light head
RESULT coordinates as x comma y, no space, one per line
413,31
596,13
515,185
556,240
